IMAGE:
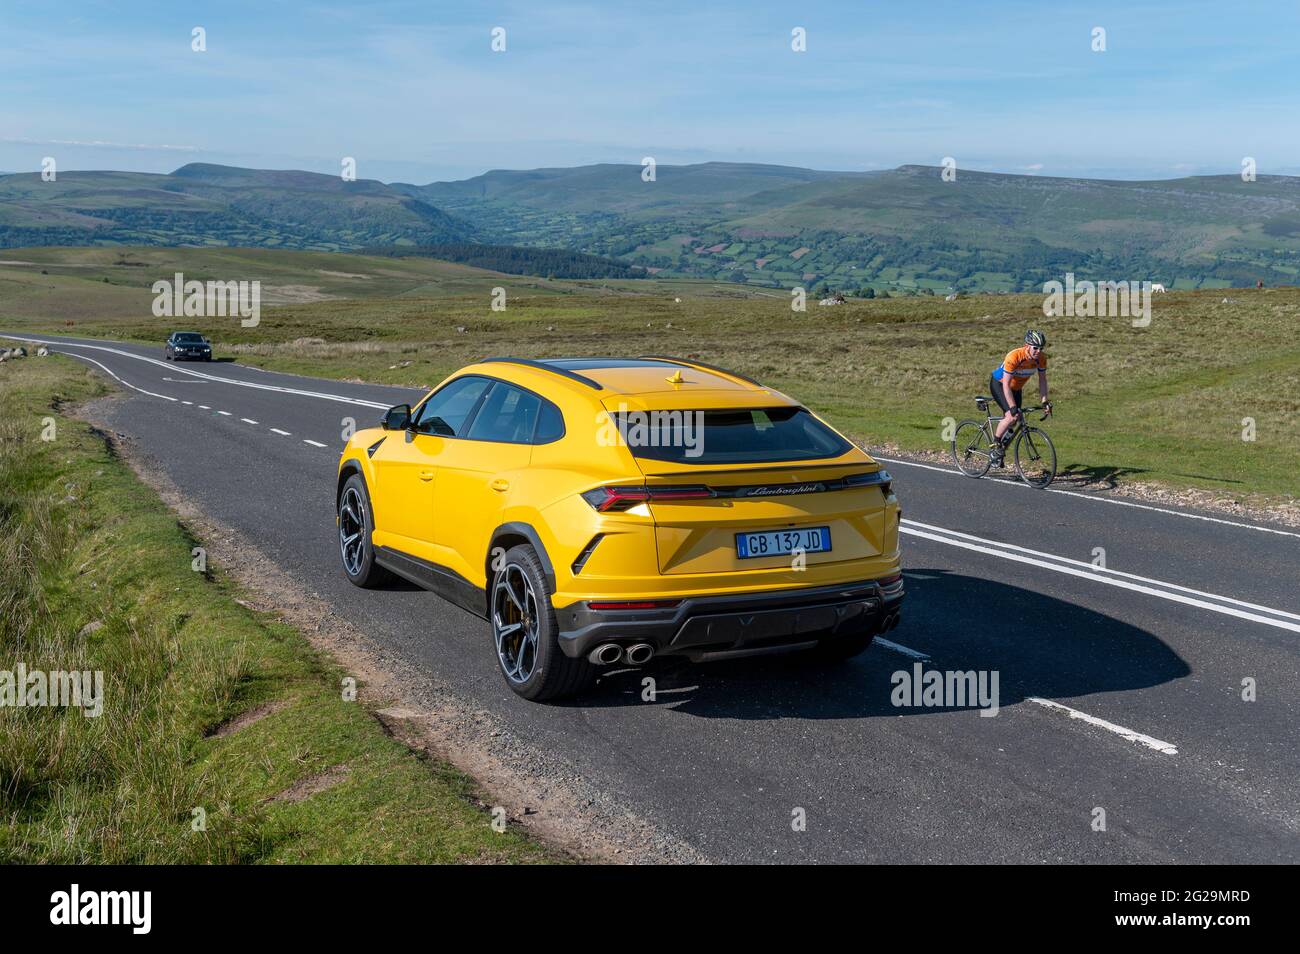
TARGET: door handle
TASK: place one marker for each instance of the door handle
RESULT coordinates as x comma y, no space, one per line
500,484
426,475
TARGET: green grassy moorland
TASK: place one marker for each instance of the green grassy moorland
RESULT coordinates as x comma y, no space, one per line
1164,403
96,575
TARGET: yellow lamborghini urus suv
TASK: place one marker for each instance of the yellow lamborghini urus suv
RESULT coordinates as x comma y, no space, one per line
598,511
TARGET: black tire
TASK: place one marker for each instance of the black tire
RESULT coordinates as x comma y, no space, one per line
970,448
1035,457
355,515
519,597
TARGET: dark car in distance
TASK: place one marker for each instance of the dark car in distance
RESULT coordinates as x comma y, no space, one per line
187,344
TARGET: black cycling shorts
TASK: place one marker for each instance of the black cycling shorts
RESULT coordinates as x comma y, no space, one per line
995,386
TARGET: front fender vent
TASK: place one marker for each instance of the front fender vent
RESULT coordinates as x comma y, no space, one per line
370,451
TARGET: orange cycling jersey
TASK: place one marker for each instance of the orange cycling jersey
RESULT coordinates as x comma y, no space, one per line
1019,367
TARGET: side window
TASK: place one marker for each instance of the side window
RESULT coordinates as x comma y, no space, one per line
551,426
508,415
446,412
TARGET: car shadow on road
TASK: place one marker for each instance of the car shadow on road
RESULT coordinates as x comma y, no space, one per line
1037,644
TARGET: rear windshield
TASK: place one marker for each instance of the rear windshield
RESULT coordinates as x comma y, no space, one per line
750,436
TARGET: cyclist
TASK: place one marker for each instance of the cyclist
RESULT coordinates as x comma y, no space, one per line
1009,378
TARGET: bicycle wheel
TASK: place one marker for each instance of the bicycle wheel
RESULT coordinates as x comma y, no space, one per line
970,448
1035,457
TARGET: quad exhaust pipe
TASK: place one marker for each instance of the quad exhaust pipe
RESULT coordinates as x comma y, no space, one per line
606,654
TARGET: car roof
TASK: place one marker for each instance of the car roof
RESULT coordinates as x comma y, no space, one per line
602,378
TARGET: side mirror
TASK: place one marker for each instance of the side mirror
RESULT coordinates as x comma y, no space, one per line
397,418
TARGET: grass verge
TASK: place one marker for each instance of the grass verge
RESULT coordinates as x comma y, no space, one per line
210,712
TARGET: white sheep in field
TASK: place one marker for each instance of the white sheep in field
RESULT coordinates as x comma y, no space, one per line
1157,287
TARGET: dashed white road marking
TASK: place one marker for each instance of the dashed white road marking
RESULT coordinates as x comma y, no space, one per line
1130,734
1279,618
110,372
1097,497
1148,741
199,374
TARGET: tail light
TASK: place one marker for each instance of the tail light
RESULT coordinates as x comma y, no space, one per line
618,498
880,477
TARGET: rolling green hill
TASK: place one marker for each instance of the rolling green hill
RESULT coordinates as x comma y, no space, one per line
202,204
706,187
903,231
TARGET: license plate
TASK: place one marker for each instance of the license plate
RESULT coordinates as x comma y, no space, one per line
783,542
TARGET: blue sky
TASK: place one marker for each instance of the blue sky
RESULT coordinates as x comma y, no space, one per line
415,93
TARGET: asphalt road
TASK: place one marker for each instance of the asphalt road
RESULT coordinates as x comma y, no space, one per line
1120,689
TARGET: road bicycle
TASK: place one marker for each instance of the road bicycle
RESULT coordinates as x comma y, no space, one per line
1030,447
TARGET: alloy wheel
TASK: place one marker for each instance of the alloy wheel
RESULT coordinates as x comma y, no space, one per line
515,623
352,527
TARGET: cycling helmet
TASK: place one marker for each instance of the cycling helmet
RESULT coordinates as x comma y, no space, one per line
1035,338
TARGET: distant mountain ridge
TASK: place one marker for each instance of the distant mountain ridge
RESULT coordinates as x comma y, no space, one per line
203,204
903,230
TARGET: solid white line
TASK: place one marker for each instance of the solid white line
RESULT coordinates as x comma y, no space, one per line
1098,497
1100,569
207,377
313,443
890,644
278,431
121,380
1129,734
248,420
226,413
1110,581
